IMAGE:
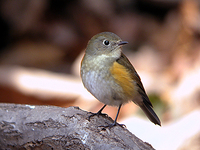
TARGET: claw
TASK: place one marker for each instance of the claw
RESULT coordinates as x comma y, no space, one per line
96,114
112,125
109,125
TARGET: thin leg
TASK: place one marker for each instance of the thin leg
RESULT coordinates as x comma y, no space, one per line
98,113
115,122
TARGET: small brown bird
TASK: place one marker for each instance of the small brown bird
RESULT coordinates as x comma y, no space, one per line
109,76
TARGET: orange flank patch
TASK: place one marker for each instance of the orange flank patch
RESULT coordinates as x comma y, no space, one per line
123,78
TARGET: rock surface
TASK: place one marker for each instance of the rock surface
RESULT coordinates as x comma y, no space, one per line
50,127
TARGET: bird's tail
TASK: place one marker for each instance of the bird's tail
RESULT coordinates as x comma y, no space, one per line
150,113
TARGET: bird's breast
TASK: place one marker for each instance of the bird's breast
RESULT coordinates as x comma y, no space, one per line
107,81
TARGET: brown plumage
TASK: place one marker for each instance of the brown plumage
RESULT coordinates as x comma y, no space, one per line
108,75
145,105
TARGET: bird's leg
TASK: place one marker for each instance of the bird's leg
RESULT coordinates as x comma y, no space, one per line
98,113
115,122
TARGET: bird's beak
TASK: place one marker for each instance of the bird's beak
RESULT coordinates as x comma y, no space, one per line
122,43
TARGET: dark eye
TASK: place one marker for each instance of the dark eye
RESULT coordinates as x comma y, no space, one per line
106,42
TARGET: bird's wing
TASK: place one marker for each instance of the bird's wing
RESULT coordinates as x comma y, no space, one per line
123,60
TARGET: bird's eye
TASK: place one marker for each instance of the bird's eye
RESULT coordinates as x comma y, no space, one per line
106,42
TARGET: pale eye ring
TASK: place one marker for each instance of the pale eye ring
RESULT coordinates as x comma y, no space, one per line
106,42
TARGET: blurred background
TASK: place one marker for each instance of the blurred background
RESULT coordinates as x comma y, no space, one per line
42,43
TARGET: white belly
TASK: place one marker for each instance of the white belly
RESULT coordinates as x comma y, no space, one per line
99,82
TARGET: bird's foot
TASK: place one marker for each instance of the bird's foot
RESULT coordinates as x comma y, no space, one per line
112,125
96,114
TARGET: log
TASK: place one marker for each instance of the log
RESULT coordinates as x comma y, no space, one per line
51,127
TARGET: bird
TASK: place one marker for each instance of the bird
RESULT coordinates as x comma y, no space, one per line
110,77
